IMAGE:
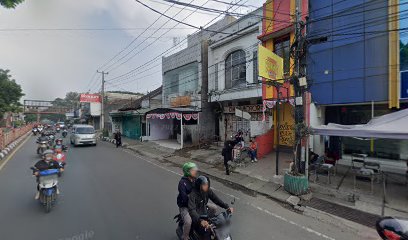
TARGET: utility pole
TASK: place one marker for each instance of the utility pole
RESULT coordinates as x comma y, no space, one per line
299,90
102,119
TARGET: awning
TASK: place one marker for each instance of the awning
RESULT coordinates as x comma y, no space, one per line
391,126
170,113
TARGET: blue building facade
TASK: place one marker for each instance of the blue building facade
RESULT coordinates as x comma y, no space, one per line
352,65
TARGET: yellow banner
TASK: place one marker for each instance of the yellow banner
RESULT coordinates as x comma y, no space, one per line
270,65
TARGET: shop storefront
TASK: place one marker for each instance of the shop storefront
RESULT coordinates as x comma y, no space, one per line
173,127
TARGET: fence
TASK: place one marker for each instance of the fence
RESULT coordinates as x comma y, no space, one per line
8,136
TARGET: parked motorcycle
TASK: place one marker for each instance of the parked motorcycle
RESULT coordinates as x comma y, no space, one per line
219,227
40,129
64,133
48,183
390,228
34,131
57,129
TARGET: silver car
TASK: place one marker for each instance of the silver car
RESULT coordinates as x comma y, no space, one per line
83,135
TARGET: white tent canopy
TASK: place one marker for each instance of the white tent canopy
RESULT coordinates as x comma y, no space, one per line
392,126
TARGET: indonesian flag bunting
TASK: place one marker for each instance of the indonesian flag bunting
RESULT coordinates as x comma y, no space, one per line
168,115
187,117
172,114
148,116
195,116
178,116
162,116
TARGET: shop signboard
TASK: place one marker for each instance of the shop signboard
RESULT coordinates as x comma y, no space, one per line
270,67
91,98
246,108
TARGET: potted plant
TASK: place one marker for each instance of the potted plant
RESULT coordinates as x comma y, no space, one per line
294,181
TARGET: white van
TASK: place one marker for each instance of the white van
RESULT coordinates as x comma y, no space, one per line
83,135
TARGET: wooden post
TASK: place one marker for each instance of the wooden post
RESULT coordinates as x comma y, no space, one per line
182,132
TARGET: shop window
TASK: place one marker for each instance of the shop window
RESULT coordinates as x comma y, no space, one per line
282,49
235,69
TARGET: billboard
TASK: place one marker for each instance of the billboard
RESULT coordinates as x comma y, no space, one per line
95,109
91,98
270,65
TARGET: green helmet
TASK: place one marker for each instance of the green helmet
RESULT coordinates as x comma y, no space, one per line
187,167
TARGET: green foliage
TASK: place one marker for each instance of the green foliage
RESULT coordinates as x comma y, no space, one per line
10,93
30,118
71,100
10,3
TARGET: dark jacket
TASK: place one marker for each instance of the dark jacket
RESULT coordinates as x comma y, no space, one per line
227,153
43,165
197,203
185,187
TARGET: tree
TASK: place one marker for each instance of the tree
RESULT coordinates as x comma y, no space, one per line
10,3
10,93
71,100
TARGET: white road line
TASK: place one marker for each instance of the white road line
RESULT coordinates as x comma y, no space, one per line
249,204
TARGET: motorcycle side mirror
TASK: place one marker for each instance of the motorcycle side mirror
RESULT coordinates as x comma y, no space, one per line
233,202
390,228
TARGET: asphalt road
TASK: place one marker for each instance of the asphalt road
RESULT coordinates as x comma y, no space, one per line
109,193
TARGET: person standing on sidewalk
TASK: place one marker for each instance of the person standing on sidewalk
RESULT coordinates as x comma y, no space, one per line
253,148
185,187
118,138
227,154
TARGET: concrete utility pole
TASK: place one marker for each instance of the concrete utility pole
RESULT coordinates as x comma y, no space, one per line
102,119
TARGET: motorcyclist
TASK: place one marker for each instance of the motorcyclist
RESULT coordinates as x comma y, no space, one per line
198,204
185,187
42,138
58,144
47,162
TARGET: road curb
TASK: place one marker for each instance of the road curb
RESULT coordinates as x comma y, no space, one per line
9,149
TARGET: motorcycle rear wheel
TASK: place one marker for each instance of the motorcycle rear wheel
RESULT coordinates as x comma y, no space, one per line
48,204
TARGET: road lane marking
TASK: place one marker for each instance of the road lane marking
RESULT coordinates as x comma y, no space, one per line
12,154
249,204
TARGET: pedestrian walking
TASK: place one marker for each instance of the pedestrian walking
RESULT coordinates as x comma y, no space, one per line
227,154
118,138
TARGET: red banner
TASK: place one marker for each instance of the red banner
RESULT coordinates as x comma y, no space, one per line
85,97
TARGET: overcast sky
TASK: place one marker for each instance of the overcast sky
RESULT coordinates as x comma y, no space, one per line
49,63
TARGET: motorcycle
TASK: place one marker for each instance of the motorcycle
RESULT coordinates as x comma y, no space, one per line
60,157
64,133
58,129
42,146
390,228
35,131
40,129
51,139
219,228
48,183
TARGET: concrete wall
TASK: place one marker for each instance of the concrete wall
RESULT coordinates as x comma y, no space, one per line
317,118
221,46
